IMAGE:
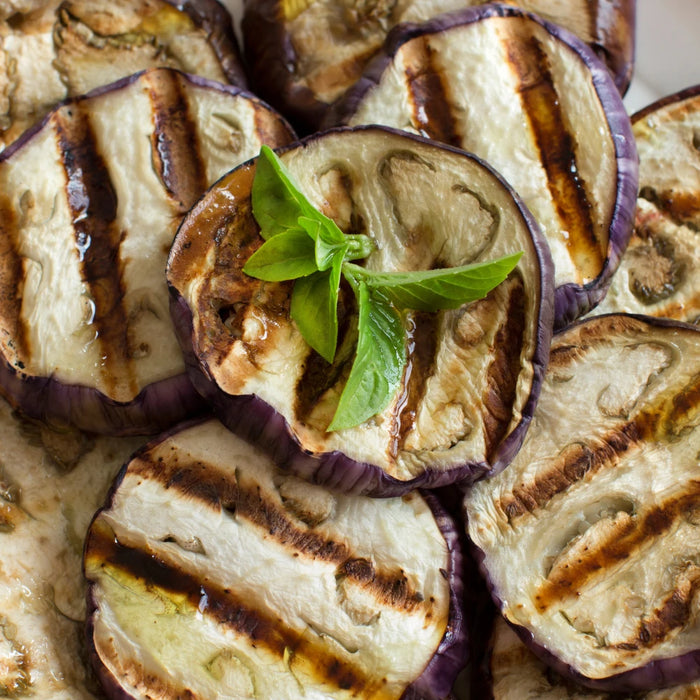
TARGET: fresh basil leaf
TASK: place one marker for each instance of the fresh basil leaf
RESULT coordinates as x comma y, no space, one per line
277,201
286,256
447,288
328,245
314,308
379,363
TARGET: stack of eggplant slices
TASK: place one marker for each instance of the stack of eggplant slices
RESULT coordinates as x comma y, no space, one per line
354,353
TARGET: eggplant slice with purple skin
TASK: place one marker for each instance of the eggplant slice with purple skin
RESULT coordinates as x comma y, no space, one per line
535,103
589,539
211,574
304,54
516,673
90,201
473,373
51,484
65,49
659,274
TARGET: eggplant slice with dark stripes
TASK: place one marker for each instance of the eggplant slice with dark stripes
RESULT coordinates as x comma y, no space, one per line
51,484
473,373
537,105
304,54
590,538
212,574
65,49
90,201
659,274
514,673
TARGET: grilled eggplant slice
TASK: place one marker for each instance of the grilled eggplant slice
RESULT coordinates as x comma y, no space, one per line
304,54
659,273
473,373
66,49
534,102
90,203
51,484
516,673
589,538
213,574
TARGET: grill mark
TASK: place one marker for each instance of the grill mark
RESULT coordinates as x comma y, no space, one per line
226,608
673,613
92,201
620,544
422,345
428,93
12,281
557,151
225,491
681,208
175,146
504,370
666,419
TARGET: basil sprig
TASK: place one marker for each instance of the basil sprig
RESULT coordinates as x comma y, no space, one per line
304,245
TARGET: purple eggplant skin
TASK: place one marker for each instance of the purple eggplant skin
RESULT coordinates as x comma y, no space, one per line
657,674
156,407
257,421
452,655
215,19
571,301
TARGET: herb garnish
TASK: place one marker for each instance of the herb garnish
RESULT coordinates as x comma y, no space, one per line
303,244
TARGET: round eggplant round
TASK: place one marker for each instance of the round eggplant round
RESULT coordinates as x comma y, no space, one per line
589,539
213,574
65,49
303,56
91,199
533,101
51,484
473,373
659,273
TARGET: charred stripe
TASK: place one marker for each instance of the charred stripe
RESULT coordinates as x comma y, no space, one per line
92,201
619,544
681,208
664,420
422,345
174,141
557,151
12,285
107,555
225,491
428,93
505,368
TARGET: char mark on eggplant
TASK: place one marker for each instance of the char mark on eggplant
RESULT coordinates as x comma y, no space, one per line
557,148
92,202
176,151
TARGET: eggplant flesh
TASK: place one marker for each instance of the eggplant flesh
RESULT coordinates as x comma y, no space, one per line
65,49
91,200
213,574
328,44
515,672
589,539
476,370
535,104
51,484
659,273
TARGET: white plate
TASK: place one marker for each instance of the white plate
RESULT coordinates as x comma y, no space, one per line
667,50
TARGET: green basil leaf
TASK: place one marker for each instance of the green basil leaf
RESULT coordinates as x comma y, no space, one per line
328,245
379,363
447,288
286,256
314,308
277,201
